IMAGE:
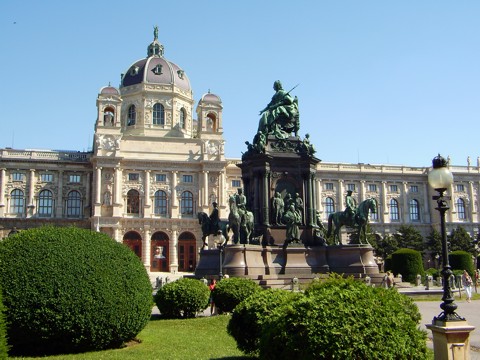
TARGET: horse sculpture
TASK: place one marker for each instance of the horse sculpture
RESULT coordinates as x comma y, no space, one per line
339,219
204,221
240,222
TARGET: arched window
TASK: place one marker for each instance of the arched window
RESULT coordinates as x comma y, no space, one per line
132,116
133,202
17,202
74,204
414,210
460,205
394,215
329,206
45,203
183,118
211,122
160,203
158,114
186,204
108,116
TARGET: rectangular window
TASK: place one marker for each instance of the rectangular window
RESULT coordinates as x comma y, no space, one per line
74,178
351,187
46,177
414,188
460,188
328,186
187,178
236,183
372,187
133,176
393,188
160,177
17,177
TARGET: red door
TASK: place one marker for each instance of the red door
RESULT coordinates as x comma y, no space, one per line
187,254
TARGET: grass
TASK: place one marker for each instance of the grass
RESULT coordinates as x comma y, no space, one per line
200,338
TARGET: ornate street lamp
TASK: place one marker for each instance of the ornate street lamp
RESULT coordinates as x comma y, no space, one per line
440,178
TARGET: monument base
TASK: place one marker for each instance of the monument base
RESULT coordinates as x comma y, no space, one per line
451,339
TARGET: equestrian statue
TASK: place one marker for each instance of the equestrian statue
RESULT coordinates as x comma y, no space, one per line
212,224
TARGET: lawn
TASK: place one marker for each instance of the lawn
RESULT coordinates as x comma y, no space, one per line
200,338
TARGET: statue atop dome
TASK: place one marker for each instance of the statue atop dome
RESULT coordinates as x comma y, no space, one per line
281,116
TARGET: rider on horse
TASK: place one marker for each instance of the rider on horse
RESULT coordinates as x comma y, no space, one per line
351,210
241,202
214,219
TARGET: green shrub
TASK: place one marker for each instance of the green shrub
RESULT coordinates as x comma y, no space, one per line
461,260
387,266
230,292
245,325
433,272
69,290
409,263
344,319
182,298
3,331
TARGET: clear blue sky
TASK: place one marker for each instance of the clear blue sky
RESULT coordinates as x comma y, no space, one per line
392,82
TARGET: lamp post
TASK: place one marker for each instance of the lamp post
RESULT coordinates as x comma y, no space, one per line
440,178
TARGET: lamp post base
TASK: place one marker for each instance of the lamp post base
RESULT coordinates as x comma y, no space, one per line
451,339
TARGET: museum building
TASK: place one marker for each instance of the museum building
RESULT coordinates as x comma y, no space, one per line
157,162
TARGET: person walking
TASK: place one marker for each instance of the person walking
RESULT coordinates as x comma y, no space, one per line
467,285
212,285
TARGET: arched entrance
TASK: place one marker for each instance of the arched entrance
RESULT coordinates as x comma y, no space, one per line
134,241
187,254
160,253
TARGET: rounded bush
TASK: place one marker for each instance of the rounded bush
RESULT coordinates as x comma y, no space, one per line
245,325
183,298
230,292
435,273
461,260
409,263
344,319
70,290
3,331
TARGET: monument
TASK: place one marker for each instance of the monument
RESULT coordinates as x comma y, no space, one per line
278,200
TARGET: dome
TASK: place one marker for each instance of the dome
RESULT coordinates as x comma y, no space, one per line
109,90
155,69
210,98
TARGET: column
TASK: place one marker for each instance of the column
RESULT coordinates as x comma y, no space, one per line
146,245
3,181
147,203
406,205
311,206
86,204
221,190
205,189
60,203
362,191
117,193
116,235
426,208
471,195
98,185
384,201
31,194
318,194
174,251
266,200
174,189
340,193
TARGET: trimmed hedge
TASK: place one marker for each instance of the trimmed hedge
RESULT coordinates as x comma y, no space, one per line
245,325
183,298
230,292
409,263
344,319
461,260
70,290
3,331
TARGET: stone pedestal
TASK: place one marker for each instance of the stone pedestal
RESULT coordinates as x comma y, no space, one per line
451,339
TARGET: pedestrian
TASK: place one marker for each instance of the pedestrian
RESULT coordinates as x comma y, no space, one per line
467,285
212,285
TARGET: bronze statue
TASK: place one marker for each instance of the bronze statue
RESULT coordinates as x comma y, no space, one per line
240,220
278,207
281,116
292,219
214,219
350,210
319,232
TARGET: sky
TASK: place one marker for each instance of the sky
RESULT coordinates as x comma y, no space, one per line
379,82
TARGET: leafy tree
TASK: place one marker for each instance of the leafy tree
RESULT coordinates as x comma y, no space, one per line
385,246
460,239
434,242
409,237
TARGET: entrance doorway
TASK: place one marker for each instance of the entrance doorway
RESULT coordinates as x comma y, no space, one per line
187,254
134,241
160,253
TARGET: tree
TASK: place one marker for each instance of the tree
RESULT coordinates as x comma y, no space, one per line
460,239
410,238
385,246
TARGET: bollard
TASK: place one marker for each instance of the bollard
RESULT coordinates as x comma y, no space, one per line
295,286
368,280
419,280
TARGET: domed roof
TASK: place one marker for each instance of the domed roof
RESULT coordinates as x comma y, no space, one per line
109,90
211,98
155,69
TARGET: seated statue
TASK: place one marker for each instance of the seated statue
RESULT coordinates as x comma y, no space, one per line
281,116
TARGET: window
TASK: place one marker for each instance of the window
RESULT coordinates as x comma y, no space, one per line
460,188
108,116
17,202
157,70
414,210
394,215
132,115
133,176
45,203
186,203
158,114
236,183
414,188
160,177
393,188
160,203
351,187
17,176
372,187
74,178
460,205
46,177
329,206
183,118
187,178
74,204
328,186
374,215
133,202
